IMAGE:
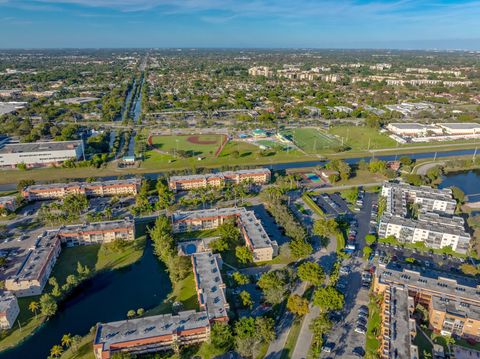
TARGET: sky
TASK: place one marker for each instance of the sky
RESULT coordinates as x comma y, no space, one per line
392,24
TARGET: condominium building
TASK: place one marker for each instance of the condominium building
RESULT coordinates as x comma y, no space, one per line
263,248
126,187
40,154
150,334
184,183
9,310
160,332
435,226
31,277
9,203
453,301
260,71
99,232
397,328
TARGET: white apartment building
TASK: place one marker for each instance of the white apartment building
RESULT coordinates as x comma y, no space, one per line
260,71
9,310
40,154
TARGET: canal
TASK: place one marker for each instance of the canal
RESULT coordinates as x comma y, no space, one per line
106,297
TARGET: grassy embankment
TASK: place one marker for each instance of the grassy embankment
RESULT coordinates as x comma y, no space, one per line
97,257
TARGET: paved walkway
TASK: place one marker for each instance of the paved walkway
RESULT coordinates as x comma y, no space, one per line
306,335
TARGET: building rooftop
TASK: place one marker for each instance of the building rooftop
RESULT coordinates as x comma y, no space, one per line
461,125
39,147
456,308
40,187
210,286
444,284
149,327
207,213
37,257
222,175
7,199
96,227
255,231
399,320
6,300
408,126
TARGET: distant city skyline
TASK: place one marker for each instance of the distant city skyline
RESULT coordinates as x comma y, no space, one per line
390,24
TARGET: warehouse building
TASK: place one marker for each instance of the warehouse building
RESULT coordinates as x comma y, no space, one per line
126,187
459,128
185,183
40,154
262,247
9,310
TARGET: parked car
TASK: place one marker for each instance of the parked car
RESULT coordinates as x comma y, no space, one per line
328,347
360,329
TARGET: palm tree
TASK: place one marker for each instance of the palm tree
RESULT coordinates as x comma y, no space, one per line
76,341
33,307
67,340
56,351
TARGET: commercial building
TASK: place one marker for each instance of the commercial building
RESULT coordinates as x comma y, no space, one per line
99,232
126,187
397,328
160,332
40,154
412,129
460,128
185,183
251,228
31,277
9,310
435,226
453,301
9,203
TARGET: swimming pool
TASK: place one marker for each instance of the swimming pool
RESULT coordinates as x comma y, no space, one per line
312,177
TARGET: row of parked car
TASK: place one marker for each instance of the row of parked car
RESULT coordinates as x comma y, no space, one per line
362,319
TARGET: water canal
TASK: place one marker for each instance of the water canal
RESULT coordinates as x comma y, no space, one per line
106,297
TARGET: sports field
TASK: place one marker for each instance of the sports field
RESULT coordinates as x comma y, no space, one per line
311,140
192,145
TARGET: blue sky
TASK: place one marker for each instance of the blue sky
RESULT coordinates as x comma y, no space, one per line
411,24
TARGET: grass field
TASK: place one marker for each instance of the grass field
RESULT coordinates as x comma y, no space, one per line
358,137
193,145
312,140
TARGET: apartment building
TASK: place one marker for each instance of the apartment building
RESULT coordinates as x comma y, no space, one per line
453,301
40,154
160,332
397,328
9,310
263,248
209,285
9,203
96,233
260,71
185,183
150,334
33,273
126,187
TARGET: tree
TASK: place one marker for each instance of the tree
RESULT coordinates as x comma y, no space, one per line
319,326
367,252
297,305
244,254
377,166
370,239
56,351
75,342
274,285
240,279
165,195
458,194
130,314
300,248
221,336
33,307
246,299
328,298
325,227
72,280
67,340
48,305
251,333
351,195
140,312
24,183
469,269
311,272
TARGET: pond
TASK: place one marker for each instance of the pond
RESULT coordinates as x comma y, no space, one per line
106,297
467,181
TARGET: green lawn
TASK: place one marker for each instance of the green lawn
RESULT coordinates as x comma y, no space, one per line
423,344
183,291
358,137
188,143
96,257
312,140
84,350
373,329
292,338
